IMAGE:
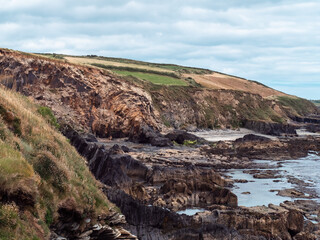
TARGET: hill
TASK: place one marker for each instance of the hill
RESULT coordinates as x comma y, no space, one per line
180,75
44,182
122,97
316,102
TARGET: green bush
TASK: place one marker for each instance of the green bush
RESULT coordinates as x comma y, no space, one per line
49,216
189,142
48,115
47,166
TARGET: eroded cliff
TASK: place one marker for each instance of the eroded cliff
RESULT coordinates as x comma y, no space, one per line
87,98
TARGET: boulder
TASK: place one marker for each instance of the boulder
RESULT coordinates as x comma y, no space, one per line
179,136
270,128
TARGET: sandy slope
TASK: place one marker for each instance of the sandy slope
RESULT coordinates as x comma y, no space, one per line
222,81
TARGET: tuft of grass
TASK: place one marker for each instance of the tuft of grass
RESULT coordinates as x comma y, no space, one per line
47,114
49,216
9,214
190,143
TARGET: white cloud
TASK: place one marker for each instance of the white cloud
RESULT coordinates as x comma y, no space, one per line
273,41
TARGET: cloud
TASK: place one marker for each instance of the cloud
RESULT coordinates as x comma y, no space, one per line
272,41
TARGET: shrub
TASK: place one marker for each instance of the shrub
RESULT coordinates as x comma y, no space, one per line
189,142
9,214
48,167
48,115
49,216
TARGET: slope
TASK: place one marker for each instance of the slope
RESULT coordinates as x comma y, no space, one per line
44,182
121,97
206,78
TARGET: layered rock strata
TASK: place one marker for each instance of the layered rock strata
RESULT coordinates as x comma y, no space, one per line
87,98
145,188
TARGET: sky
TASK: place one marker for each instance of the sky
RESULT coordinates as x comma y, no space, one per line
275,42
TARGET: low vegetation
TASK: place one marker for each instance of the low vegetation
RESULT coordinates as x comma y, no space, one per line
132,69
296,106
38,165
316,102
47,114
154,78
213,99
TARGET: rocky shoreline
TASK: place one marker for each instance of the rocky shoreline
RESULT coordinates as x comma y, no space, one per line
154,175
149,184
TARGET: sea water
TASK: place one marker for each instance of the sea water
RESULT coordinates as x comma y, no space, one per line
262,191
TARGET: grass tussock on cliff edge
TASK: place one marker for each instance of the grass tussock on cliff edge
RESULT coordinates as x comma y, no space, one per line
39,170
297,106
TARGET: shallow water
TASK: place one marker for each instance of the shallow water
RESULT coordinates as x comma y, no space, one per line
191,211
226,134
306,169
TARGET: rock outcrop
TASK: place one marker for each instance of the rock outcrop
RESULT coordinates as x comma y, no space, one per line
178,188
97,101
269,128
150,222
147,191
89,98
262,148
180,137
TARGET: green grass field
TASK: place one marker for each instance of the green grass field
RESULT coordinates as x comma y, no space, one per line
154,78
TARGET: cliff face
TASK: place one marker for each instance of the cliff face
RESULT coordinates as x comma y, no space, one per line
45,185
95,100
185,107
88,98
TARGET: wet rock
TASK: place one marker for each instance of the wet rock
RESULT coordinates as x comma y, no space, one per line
180,136
276,129
160,178
295,222
125,149
291,193
112,166
160,142
241,181
252,137
315,128
149,135
315,119
90,138
305,236
263,174
283,148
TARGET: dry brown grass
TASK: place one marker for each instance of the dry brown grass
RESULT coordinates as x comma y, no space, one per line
41,163
89,61
222,81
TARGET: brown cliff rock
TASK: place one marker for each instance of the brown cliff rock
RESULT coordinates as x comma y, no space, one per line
87,98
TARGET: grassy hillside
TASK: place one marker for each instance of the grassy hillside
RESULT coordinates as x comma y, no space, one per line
122,62
39,171
316,102
154,78
170,74
185,96
296,106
